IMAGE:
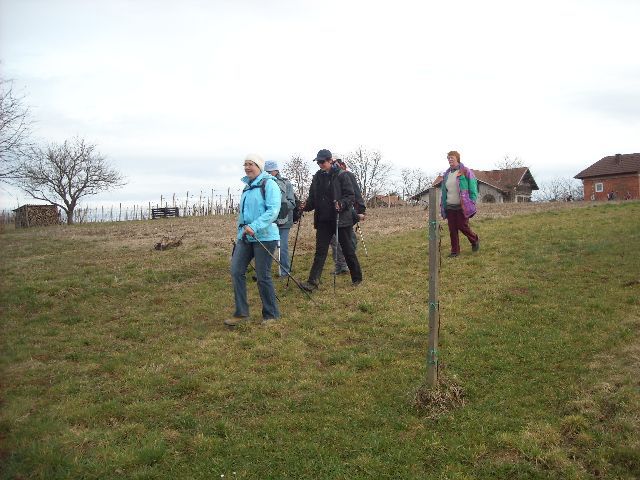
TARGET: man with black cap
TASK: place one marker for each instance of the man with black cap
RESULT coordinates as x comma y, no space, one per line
331,197
358,213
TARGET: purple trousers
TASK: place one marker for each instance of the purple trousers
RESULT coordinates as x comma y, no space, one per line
458,223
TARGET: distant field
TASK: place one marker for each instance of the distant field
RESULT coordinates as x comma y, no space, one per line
114,362
217,230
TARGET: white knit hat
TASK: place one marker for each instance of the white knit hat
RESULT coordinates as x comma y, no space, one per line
255,158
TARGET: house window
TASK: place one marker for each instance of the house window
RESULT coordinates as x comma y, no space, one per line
599,187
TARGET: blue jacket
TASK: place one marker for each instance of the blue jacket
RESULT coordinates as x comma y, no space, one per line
257,211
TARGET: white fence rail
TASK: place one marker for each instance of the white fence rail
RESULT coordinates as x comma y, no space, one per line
191,207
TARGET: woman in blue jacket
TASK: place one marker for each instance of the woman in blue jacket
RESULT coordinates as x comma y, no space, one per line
259,207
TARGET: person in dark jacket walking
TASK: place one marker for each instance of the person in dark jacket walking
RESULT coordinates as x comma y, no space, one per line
331,197
358,212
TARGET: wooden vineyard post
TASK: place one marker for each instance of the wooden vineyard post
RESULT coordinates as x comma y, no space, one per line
434,311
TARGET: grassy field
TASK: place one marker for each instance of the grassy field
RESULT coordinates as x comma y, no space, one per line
115,364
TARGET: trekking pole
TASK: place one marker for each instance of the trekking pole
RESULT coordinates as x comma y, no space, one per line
337,244
278,262
293,255
362,239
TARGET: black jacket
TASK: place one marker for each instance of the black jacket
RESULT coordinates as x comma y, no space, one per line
359,204
325,189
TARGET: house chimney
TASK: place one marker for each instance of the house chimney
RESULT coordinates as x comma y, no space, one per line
618,159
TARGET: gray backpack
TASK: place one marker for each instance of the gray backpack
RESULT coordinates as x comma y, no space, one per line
283,216
284,205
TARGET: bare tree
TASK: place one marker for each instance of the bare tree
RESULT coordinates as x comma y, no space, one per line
371,173
298,173
509,162
414,181
63,174
15,130
560,190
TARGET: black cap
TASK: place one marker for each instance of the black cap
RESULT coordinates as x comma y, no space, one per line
323,155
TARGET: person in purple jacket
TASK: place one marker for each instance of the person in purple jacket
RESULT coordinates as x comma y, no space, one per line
458,202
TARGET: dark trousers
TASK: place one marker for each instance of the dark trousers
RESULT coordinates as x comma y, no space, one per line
338,256
459,223
324,232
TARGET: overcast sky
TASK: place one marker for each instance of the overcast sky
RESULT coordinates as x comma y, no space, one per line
176,93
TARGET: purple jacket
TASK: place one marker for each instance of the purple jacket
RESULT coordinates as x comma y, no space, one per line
468,188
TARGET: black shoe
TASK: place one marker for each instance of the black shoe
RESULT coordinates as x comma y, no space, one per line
476,246
355,283
309,286
453,255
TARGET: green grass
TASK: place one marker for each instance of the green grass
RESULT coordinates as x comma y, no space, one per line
115,362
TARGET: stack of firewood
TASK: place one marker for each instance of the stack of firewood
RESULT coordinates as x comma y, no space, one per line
36,216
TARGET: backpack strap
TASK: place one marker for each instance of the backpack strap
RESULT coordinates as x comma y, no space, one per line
261,186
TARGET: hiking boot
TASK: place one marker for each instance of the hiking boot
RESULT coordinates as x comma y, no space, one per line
309,286
268,321
453,255
235,321
342,271
476,246
355,283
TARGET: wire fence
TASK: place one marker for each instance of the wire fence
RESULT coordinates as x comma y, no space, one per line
190,206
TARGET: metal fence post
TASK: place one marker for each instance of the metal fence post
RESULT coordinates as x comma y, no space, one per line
434,307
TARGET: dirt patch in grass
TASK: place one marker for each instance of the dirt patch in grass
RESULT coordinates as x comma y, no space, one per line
435,402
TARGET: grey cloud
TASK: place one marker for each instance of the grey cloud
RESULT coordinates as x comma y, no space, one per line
622,106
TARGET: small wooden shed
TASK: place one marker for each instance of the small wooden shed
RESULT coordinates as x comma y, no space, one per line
36,216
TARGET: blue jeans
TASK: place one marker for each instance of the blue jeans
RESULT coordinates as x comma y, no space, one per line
244,252
284,252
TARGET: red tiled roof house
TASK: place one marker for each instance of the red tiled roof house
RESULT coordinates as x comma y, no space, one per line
618,173
385,201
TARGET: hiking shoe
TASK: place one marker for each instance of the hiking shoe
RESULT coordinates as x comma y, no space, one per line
235,321
341,271
308,286
476,246
268,321
355,283
453,255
